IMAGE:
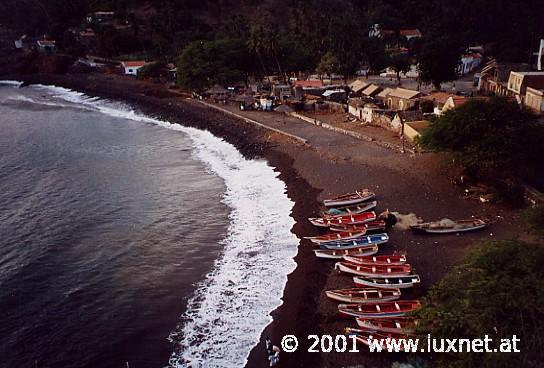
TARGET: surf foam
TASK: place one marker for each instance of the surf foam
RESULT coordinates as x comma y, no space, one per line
231,306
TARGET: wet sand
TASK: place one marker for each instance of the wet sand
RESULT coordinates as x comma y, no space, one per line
330,164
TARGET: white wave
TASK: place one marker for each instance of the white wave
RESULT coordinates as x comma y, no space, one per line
12,83
232,306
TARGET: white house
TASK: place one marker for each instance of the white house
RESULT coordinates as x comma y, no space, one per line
132,67
469,62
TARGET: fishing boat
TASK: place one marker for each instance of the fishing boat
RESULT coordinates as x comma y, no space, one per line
447,226
372,270
357,295
393,260
350,199
357,242
401,325
375,338
400,282
337,236
393,309
350,210
377,225
364,250
357,219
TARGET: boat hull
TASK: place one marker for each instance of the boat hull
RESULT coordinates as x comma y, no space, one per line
339,253
408,281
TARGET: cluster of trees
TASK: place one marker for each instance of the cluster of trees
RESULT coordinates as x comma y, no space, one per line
494,140
497,291
284,36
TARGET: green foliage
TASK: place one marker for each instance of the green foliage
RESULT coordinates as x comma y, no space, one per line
426,106
498,290
205,63
400,63
534,217
439,58
327,65
495,137
151,70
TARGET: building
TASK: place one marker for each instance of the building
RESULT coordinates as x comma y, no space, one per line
519,81
46,46
494,77
101,17
438,98
405,117
469,62
132,67
534,99
309,83
281,91
358,86
413,129
402,99
455,101
371,90
335,95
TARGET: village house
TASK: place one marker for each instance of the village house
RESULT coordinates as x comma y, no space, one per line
336,95
469,62
519,81
357,87
534,99
46,46
403,117
402,99
413,129
494,77
132,67
281,91
371,90
438,98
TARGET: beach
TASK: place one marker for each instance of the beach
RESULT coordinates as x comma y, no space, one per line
329,164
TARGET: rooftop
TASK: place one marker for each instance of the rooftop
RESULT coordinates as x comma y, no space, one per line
133,64
404,93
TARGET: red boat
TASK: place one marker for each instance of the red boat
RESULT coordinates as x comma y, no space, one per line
391,260
357,219
378,225
373,270
343,235
368,337
401,325
394,309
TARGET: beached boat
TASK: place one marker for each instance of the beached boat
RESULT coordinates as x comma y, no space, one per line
337,236
357,219
401,325
357,295
357,242
400,282
447,226
367,337
397,308
350,198
350,210
364,250
372,270
390,260
377,225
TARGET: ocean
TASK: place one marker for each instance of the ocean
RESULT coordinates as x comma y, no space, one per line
127,241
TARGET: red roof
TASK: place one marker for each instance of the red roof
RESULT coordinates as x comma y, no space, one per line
410,32
310,83
133,64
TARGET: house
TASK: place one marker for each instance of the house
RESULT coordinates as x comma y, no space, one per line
534,99
336,95
101,17
382,96
309,83
455,101
358,86
132,67
281,91
361,109
469,62
371,90
46,46
405,117
413,129
402,99
494,77
438,98
519,81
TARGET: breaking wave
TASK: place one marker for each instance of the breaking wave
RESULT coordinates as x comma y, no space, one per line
231,306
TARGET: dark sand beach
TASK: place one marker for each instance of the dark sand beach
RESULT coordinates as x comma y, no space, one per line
331,163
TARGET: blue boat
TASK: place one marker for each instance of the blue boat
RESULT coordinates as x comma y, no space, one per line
370,239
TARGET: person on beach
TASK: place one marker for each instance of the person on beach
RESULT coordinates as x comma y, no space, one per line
268,344
275,356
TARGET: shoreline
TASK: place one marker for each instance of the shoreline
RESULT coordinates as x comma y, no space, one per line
307,171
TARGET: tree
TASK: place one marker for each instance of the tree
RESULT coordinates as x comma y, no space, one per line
494,138
498,290
400,63
205,63
439,58
374,54
327,65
